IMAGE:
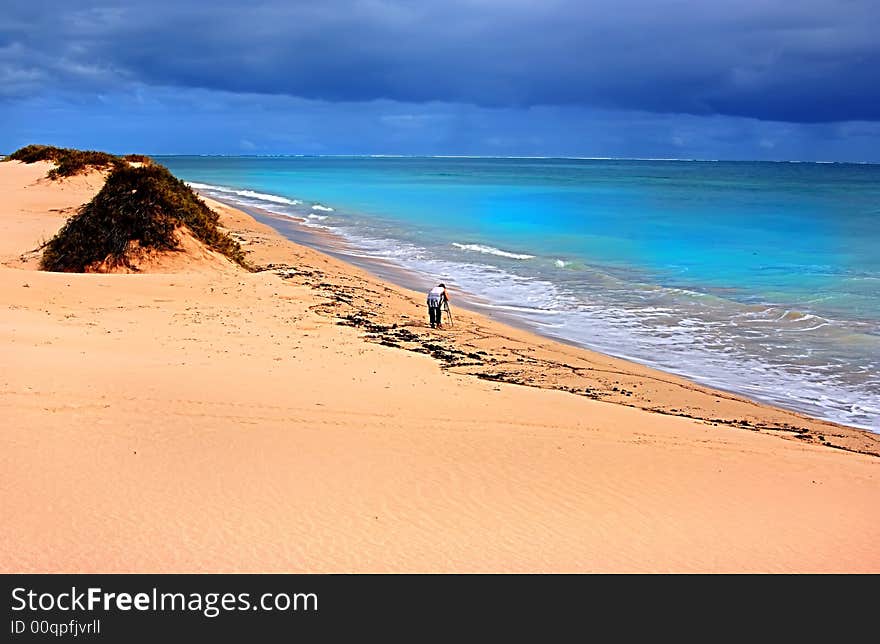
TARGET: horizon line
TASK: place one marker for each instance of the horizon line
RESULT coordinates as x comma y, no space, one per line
535,157
493,156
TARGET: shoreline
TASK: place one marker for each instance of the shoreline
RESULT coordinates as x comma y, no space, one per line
785,329
328,242
560,365
305,418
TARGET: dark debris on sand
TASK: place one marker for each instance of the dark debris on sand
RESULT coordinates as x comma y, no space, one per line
351,306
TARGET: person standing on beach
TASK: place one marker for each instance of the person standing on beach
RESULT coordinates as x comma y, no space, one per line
437,297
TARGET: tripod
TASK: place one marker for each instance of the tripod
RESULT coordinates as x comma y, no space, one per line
448,312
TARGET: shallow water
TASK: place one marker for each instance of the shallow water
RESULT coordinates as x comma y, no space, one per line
759,278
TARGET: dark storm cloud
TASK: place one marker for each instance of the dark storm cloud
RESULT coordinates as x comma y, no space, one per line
805,61
169,120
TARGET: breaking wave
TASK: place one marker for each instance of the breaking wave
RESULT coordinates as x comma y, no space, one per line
261,196
489,250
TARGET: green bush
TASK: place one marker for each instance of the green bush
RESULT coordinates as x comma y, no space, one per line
68,162
143,205
34,153
74,162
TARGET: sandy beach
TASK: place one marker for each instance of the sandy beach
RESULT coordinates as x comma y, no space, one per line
197,417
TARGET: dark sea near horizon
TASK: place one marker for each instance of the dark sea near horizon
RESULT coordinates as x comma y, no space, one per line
753,277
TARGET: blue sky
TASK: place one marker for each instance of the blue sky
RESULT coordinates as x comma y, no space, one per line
750,79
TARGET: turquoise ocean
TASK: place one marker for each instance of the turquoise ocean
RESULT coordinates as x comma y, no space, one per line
757,278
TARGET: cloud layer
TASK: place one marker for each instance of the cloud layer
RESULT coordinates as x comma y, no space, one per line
174,120
797,62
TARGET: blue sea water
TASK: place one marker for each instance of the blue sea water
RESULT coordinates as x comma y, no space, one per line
758,278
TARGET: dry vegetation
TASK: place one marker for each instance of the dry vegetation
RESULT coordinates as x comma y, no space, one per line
138,209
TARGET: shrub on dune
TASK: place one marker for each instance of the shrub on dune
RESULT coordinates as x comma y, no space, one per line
74,162
138,209
34,153
68,162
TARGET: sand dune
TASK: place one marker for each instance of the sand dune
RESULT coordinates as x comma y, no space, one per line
210,419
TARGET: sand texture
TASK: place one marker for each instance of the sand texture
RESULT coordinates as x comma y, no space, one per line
196,417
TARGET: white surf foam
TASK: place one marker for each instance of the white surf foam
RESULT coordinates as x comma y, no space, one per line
490,250
251,194
207,186
318,206
267,197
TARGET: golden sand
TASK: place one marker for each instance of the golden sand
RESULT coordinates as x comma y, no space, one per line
304,418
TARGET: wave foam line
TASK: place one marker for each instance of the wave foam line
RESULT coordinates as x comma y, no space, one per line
261,196
266,197
489,250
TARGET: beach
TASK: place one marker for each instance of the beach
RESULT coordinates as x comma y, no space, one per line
750,277
197,417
